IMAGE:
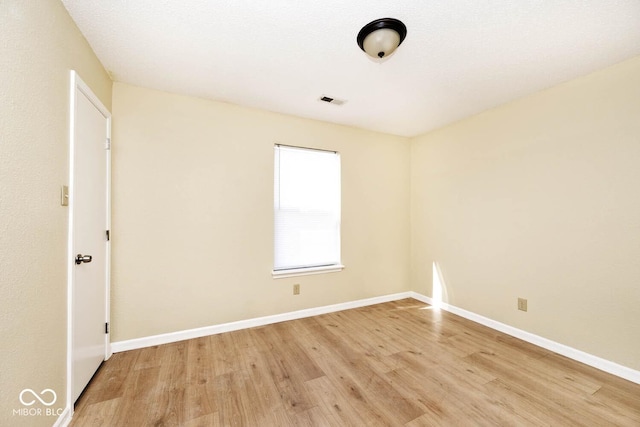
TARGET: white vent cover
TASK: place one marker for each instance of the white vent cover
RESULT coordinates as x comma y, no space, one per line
331,100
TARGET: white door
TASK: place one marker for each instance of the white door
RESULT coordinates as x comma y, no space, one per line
88,239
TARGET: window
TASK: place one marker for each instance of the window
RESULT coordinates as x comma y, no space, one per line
306,211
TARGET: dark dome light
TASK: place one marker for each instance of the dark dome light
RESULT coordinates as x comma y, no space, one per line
380,38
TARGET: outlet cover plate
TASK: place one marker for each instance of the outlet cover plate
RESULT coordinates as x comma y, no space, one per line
522,304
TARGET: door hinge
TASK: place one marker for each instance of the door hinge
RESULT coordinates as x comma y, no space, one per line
108,235
106,328
107,145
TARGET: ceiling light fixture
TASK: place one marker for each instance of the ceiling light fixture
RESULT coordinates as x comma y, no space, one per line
381,37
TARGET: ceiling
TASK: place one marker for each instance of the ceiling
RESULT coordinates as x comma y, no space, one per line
460,57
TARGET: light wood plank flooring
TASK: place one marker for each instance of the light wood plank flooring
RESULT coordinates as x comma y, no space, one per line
393,364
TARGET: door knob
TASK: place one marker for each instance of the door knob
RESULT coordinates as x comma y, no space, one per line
83,258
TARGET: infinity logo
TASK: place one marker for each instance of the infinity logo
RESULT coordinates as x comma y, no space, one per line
42,393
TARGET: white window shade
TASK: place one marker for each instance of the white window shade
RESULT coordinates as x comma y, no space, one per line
306,209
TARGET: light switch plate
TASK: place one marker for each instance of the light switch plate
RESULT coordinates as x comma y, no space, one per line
64,195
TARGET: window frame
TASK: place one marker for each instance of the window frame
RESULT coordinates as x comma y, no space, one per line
315,269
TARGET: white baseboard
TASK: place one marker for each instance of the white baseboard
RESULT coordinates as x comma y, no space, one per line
136,343
64,419
564,350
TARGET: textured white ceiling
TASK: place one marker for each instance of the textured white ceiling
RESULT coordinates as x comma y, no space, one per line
460,57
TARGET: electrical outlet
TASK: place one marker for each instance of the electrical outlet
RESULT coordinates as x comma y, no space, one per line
522,304
296,289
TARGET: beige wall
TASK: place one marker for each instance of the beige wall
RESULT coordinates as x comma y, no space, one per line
39,44
193,213
540,199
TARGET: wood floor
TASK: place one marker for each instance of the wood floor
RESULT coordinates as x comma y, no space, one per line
393,364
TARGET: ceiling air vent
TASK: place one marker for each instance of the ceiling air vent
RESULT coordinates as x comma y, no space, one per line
330,100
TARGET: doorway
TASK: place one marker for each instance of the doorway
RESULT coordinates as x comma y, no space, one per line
89,239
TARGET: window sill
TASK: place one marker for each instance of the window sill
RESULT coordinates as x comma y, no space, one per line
281,274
